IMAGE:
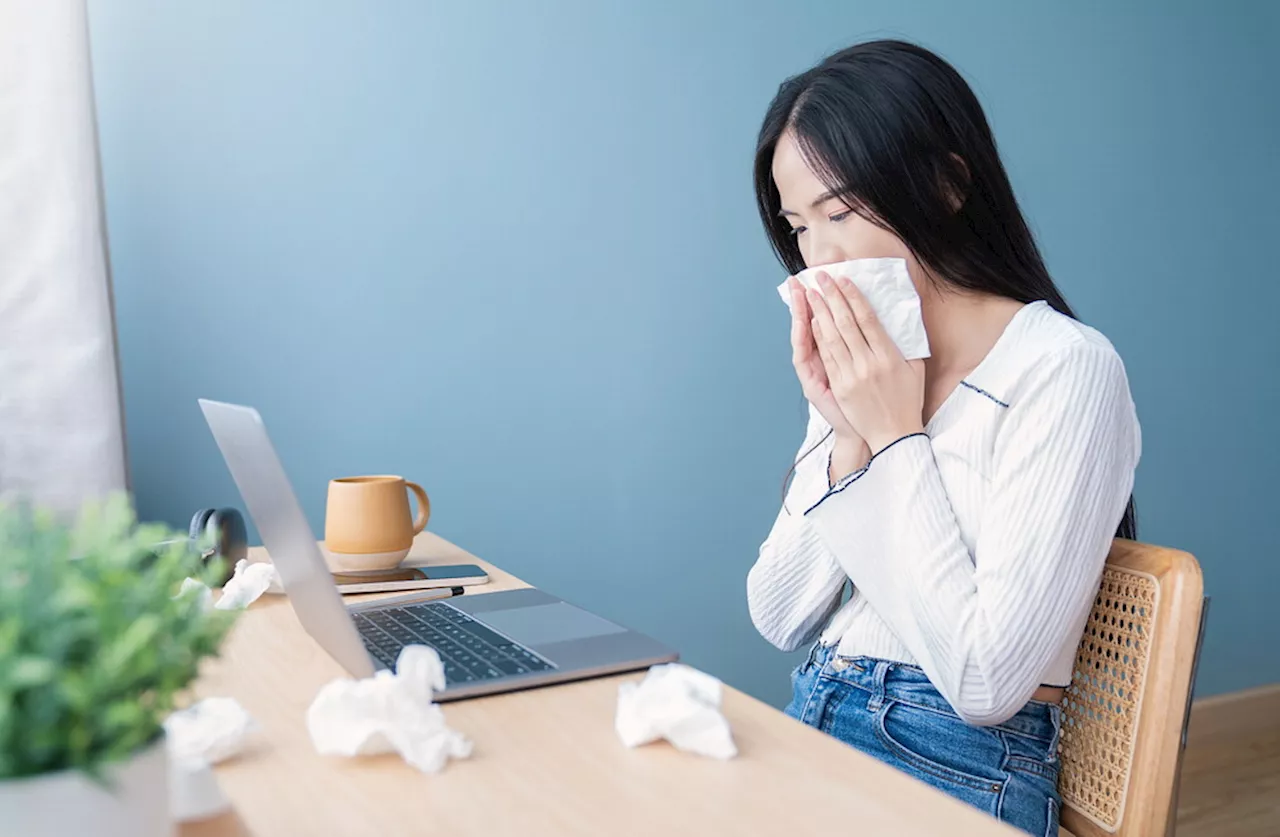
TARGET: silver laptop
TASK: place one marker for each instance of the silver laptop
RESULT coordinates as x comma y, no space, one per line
491,642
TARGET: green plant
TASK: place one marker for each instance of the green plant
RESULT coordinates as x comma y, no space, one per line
95,639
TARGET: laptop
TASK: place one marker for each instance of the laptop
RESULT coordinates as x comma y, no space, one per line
489,643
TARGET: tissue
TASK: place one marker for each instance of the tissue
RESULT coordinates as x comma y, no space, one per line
203,593
206,733
248,584
678,703
388,712
211,730
889,289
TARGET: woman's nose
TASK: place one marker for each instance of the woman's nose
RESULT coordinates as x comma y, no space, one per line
823,249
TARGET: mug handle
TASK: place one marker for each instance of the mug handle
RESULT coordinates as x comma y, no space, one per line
424,506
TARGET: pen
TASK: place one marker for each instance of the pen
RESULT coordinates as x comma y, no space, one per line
453,591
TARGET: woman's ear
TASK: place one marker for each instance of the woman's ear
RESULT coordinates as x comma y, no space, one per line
954,182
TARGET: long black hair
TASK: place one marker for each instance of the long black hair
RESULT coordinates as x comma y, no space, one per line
899,136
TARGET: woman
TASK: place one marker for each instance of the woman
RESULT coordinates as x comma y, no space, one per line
968,500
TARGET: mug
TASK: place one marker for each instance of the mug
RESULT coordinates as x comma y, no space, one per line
367,525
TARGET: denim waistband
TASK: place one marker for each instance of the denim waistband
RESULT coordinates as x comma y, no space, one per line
909,684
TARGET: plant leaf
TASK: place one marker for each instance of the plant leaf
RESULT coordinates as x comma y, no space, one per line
29,672
93,646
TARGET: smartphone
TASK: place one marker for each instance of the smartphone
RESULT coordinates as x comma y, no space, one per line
409,578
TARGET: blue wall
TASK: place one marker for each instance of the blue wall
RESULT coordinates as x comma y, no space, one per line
510,250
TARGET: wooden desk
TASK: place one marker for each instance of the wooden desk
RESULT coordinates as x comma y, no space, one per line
546,761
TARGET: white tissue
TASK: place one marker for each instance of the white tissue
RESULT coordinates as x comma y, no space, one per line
889,289
204,593
248,584
211,730
388,712
206,733
678,703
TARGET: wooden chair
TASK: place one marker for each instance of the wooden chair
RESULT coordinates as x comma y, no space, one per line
1125,713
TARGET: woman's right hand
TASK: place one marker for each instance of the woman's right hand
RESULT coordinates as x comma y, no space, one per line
809,367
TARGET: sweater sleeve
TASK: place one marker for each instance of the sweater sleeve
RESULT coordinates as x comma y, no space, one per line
796,583
986,623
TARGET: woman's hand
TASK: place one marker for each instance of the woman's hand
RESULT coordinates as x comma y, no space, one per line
879,393
809,366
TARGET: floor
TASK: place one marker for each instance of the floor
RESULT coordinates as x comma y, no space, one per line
1232,789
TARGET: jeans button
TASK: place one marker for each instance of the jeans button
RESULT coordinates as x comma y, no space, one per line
839,664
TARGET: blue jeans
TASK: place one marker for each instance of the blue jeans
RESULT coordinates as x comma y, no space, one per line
891,711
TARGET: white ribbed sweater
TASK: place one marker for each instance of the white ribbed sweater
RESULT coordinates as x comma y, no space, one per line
974,551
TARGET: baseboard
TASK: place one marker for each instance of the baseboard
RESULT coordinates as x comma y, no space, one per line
1234,715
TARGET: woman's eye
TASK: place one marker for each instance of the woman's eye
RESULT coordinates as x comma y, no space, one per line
840,216
795,231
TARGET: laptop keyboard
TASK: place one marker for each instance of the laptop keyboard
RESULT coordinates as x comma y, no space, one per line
470,651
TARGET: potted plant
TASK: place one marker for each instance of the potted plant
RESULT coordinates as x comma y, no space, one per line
97,639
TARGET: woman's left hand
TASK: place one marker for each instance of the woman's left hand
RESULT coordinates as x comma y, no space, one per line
880,392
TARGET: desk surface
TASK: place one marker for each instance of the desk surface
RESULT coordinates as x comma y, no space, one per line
545,761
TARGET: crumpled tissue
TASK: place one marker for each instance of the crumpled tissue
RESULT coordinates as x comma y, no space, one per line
244,588
248,584
388,712
678,703
202,591
204,734
889,289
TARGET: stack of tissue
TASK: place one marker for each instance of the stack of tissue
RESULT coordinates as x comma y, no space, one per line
888,288
678,703
388,712
204,734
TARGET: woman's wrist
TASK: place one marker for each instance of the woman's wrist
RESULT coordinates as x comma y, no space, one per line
849,454
886,440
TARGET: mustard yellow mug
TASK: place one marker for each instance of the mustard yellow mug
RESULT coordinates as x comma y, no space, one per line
367,522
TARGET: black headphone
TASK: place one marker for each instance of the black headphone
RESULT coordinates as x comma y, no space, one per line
229,538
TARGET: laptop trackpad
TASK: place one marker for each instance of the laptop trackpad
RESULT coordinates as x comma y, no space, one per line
544,624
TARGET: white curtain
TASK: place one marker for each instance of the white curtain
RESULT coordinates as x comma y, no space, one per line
61,428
